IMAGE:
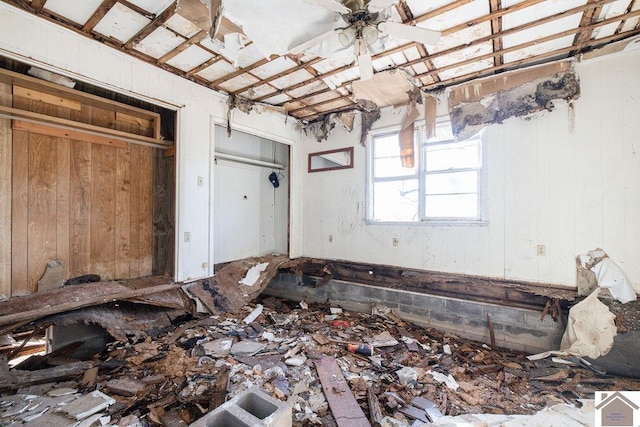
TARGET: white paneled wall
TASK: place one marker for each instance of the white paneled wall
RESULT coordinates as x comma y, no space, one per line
567,179
25,38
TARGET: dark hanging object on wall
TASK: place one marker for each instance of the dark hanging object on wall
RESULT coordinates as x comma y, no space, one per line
273,178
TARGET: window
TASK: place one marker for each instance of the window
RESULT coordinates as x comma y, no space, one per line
444,184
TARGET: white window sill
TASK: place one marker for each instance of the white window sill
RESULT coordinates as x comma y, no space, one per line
434,223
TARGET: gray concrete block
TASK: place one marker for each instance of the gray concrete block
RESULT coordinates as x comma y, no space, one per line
517,330
251,408
532,320
507,315
412,309
431,303
464,308
448,318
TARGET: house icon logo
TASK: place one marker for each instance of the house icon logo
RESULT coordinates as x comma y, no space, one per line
619,408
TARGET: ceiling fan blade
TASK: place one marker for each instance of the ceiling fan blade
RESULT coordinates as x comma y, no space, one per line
409,32
312,42
333,6
365,66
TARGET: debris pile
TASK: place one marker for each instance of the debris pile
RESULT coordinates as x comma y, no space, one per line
320,360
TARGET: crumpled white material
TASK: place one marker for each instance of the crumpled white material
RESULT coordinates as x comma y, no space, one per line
610,276
590,328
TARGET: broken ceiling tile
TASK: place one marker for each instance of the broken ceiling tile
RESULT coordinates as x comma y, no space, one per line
160,42
121,23
154,7
87,405
182,26
78,11
217,348
216,71
190,58
246,348
539,49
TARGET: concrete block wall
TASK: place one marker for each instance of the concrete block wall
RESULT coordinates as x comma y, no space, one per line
514,328
251,408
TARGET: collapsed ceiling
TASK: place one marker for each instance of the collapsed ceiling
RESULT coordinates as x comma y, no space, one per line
291,54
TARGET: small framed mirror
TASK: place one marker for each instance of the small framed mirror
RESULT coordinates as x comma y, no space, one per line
342,158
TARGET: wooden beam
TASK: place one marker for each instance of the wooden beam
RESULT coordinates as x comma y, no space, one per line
204,65
237,73
70,134
531,43
516,64
37,118
491,16
407,16
632,4
343,404
37,5
496,30
183,46
152,26
588,17
47,98
100,12
280,74
442,9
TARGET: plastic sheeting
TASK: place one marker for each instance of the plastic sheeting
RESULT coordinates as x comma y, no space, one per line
610,276
590,328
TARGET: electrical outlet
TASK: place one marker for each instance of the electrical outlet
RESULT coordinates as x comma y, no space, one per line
330,238
541,250
187,236
200,181
395,241
205,265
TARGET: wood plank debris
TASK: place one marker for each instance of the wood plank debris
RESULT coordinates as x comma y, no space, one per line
176,381
71,298
344,406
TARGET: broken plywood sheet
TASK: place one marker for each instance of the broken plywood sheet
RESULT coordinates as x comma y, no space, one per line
385,89
121,320
54,301
236,283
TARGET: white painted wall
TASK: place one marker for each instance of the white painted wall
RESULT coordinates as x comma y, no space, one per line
251,215
567,179
25,38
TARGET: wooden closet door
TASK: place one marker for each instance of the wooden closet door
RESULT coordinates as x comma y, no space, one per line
86,203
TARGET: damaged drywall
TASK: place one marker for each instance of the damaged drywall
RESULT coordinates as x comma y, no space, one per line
537,95
370,114
323,127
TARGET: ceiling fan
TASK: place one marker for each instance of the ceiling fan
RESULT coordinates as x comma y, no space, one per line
366,22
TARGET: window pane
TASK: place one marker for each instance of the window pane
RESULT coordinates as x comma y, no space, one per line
452,206
443,132
453,156
386,154
396,201
452,182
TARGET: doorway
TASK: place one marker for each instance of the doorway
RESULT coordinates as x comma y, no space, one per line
251,208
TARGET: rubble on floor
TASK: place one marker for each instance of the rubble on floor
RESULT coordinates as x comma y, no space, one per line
392,372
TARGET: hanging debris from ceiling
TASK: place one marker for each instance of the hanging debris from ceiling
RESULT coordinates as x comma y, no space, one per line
370,114
521,93
407,130
322,128
247,106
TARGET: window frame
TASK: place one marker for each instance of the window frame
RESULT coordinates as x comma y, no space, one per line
420,147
